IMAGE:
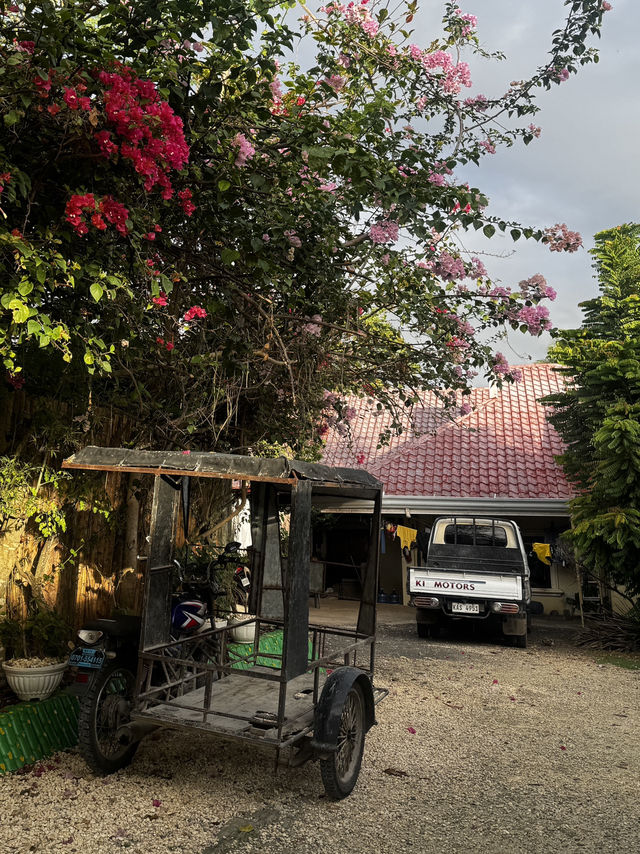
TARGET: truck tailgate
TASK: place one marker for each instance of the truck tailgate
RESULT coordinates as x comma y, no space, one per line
471,585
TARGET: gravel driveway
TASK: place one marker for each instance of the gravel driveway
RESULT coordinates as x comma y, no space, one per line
514,750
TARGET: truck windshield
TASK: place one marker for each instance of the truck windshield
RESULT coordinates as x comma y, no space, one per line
485,535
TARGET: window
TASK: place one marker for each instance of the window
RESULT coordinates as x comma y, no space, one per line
485,535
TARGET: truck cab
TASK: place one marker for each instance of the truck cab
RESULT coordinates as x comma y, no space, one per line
475,569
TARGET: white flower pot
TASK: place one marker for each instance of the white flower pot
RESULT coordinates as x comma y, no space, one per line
34,683
242,634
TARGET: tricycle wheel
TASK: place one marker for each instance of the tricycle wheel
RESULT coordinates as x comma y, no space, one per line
103,710
340,770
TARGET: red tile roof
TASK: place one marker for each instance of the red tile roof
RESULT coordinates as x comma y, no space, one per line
505,448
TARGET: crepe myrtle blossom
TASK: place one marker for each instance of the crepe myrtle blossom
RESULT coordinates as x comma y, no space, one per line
559,239
293,238
536,288
384,232
535,318
314,326
245,150
501,367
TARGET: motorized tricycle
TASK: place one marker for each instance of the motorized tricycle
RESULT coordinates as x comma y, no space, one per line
306,691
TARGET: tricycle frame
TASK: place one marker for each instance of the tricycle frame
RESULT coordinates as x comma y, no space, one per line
248,698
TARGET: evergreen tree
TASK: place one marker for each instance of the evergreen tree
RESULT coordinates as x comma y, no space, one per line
598,413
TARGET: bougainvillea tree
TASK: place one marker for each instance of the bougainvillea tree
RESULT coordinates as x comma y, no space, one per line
199,231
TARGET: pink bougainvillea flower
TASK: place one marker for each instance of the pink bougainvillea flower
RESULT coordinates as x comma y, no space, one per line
161,299
169,346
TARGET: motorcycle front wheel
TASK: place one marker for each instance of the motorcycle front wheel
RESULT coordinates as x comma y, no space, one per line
103,710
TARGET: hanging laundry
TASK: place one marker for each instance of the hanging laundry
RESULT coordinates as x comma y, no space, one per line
407,536
543,552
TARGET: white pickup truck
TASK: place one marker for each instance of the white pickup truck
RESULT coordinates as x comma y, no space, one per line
475,569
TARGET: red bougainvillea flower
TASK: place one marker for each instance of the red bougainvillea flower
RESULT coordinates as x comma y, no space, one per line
185,200
161,299
113,211
194,312
146,131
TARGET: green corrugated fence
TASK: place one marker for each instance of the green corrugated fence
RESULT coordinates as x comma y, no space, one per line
32,731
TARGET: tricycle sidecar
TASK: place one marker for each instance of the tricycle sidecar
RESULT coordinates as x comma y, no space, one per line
305,691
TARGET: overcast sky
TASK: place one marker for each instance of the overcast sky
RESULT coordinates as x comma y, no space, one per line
584,169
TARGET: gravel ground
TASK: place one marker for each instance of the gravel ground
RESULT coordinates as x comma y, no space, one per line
514,750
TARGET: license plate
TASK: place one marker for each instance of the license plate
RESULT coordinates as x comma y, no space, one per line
87,657
465,608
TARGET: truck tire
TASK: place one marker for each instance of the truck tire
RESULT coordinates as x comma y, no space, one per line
427,630
520,641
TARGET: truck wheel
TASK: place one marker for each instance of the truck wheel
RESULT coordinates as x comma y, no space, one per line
520,641
341,768
423,630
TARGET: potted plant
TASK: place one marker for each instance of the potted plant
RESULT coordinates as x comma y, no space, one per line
36,651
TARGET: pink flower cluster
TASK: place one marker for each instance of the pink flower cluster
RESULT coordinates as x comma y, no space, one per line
314,326
535,318
559,239
336,81
455,76
477,269
384,232
470,21
194,313
293,238
245,150
536,288
448,267
354,13
106,209
501,367
437,179
147,131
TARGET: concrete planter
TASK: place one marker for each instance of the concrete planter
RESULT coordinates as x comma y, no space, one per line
34,683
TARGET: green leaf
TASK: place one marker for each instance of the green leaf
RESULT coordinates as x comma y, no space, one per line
88,358
489,230
96,292
229,256
223,185
25,288
11,118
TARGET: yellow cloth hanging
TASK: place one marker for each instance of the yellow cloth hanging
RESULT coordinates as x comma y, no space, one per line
543,552
407,536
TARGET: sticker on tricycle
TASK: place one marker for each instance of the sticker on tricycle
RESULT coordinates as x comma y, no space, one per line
83,657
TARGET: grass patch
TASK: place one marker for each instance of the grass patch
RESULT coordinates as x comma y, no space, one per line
626,660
